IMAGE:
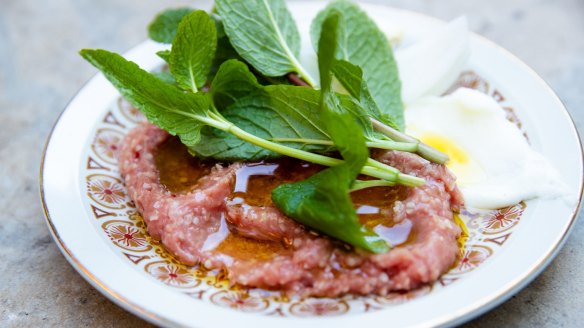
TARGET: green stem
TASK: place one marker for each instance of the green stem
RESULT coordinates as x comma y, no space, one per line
291,152
301,154
407,180
372,168
424,150
304,141
379,173
404,179
381,144
364,184
373,163
410,180
410,147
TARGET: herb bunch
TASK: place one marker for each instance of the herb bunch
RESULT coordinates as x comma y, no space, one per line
237,91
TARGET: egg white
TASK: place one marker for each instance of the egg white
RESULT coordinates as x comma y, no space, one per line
494,164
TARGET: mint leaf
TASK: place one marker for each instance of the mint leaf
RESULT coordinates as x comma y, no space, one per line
166,77
163,28
193,50
362,43
232,82
164,54
272,112
322,201
225,50
163,104
264,34
351,77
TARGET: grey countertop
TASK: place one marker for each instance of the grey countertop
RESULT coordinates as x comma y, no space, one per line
40,71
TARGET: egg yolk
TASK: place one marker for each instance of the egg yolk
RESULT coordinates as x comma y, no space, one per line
463,166
457,155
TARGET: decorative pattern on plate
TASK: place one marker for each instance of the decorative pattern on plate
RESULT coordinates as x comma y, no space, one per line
125,235
502,220
319,307
130,112
471,257
398,298
107,144
240,300
107,191
172,274
116,218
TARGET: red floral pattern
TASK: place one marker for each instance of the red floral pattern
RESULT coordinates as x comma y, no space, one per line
107,191
239,300
106,145
503,219
471,258
126,236
398,298
319,307
130,112
172,274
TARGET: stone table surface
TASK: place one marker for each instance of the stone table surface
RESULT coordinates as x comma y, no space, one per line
40,71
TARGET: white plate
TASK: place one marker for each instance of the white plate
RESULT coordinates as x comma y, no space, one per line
101,237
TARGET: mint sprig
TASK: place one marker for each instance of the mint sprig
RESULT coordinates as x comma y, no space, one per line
186,114
264,33
322,201
228,98
362,43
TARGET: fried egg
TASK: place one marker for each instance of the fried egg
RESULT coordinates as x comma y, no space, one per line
493,161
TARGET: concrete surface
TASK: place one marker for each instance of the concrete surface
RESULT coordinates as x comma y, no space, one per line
40,71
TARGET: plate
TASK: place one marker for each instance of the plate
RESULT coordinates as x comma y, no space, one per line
98,230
